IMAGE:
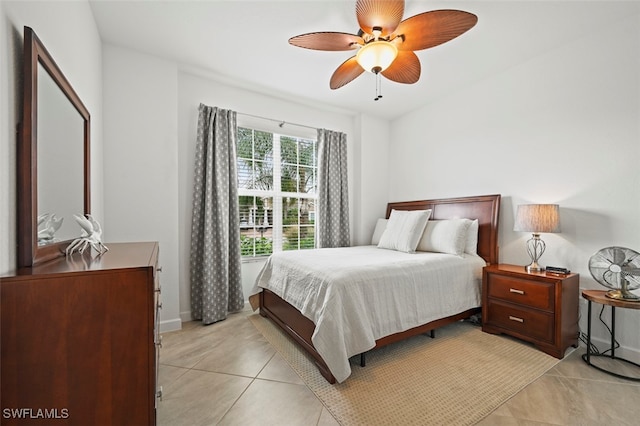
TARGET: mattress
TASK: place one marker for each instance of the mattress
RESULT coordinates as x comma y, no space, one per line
356,295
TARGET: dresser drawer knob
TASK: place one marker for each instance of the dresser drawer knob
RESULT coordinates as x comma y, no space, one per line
512,318
514,290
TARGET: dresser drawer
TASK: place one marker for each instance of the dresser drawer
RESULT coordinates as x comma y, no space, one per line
536,324
537,295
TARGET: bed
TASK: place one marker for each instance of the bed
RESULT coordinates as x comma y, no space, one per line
343,302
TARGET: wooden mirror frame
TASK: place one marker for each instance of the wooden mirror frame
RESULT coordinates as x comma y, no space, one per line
28,251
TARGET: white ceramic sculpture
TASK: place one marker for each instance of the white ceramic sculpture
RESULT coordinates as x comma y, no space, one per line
48,224
91,236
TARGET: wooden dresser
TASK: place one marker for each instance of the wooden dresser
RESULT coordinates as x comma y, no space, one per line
80,338
537,307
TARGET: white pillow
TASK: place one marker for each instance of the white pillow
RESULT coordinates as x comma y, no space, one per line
404,229
381,225
472,237
445,236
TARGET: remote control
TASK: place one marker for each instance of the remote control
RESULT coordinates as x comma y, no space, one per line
557,270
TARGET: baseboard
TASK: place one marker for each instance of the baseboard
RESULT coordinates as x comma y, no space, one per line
170,325
185,316
626,352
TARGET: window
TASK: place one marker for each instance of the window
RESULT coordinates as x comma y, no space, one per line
277,192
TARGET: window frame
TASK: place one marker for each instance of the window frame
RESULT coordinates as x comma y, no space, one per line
275,193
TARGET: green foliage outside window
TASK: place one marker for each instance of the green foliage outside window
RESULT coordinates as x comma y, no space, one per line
262,246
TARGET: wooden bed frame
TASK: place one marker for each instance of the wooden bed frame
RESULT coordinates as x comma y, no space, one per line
485,208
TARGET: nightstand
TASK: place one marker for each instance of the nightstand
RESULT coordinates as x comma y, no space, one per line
539,307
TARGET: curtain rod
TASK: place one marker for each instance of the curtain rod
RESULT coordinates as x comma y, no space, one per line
281,123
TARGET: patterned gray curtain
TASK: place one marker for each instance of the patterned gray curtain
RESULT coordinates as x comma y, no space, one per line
333,197
216,286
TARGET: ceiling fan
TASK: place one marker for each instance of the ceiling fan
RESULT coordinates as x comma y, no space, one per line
385,43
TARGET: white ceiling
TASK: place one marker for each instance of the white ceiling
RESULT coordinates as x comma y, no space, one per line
245,43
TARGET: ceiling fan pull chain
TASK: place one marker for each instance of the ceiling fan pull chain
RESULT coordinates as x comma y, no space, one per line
378,87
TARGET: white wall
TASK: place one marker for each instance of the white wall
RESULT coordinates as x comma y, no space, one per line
141,160
8,119
69,32
562,128
372,176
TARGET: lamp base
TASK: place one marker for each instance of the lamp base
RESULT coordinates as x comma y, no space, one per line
535,248
533,267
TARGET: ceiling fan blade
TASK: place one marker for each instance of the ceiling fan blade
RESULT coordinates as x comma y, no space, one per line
433,28
327,40
385,14
405,69
345,73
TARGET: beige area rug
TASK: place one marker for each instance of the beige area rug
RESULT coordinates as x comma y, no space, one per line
457,378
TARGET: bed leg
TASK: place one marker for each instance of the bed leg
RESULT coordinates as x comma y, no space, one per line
432,334
363,362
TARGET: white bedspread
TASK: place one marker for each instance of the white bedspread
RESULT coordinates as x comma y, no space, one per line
356,295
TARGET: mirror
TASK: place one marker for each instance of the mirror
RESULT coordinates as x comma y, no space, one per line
53,158
60,148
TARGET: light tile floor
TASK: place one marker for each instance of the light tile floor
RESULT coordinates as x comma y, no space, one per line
228,374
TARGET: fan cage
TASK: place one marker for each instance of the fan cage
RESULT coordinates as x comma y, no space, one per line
617,268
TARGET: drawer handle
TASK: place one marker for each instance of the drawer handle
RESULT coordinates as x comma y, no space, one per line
512,318
513,290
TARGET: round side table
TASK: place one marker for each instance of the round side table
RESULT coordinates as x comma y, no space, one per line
599,296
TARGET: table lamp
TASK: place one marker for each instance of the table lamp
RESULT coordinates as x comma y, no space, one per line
537,219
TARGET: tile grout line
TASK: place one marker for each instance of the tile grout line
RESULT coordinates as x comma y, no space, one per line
253,379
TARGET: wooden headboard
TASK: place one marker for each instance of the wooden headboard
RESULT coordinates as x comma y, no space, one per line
485,208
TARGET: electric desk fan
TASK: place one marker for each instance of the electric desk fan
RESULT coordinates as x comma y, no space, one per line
617,268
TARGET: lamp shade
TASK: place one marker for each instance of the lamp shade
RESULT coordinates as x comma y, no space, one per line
376,56
537,218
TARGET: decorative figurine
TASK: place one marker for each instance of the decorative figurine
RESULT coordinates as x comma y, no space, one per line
91,236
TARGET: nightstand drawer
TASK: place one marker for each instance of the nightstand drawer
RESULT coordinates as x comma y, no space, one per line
539,325
537,295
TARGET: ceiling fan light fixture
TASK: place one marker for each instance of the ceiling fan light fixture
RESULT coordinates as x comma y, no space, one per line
377,56
386,43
